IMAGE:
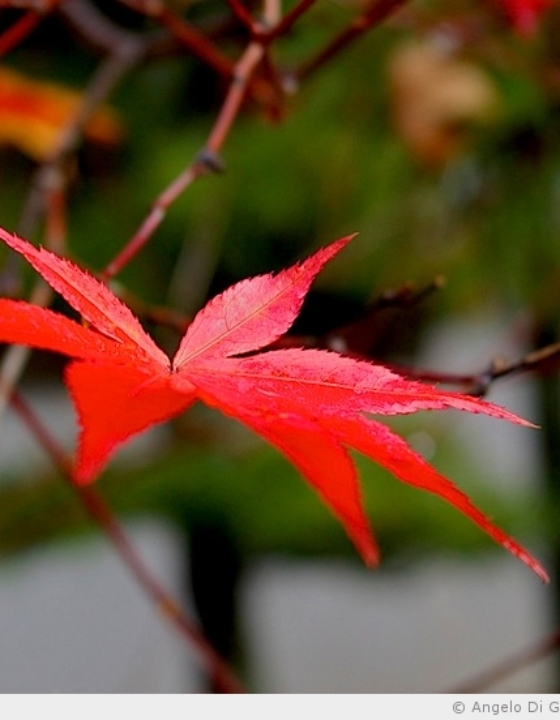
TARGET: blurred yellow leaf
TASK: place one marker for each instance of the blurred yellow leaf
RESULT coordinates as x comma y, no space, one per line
34,113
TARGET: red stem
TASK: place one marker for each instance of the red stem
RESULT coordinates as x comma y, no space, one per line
377,12
58,456
510,666
206,161
287,21
196,42
232,104
17,32
222,676
242,14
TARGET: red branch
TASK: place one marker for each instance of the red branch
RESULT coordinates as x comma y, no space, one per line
542,360
241,13
196,42
376,13
206,161
285,25
510,666
100,512
17,32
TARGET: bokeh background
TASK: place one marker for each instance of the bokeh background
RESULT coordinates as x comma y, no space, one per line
435,136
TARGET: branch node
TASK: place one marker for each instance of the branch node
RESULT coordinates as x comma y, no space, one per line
482,381
210,160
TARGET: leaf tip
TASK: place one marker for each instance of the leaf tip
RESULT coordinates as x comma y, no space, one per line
366,546
528,559
372,558
344,241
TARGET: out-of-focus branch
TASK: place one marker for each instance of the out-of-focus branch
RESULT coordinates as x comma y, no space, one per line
102,515
242,14
509,667
205,162
269,34
377,11
542,360
17,32
197,43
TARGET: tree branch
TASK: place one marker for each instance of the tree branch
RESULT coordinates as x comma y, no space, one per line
378,11
102,515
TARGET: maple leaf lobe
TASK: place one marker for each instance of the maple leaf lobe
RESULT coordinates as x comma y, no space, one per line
91,298
252,313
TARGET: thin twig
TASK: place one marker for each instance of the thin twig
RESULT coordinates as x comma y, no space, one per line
208,159
17,32
378,11
102,515
242,14
479,383
196,42
205,162
105,37
510,666
287,22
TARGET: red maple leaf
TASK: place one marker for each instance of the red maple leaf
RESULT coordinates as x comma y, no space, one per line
310,404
